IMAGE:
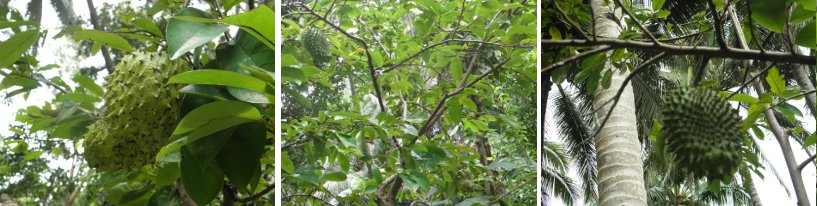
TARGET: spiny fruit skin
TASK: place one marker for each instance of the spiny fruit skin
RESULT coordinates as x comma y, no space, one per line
140,113
702,132
316,45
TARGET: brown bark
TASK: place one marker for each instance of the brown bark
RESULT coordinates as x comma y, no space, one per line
185,198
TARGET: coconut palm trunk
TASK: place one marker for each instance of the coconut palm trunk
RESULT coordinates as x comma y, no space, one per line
620,170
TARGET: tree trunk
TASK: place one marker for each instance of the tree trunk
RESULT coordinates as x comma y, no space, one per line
802,77
65,10
753,193
778,131
788,154
620,169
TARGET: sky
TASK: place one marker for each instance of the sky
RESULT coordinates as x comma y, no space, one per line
769,189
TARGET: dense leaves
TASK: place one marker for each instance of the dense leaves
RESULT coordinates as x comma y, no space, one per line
433,99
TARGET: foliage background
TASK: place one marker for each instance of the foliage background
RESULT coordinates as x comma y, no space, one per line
333,115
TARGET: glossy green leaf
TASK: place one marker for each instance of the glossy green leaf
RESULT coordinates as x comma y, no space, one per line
219,77
202,184
806,36
456,69
286,164
776,82
109,39
184,36
769,14
203,150
257,20
241,155
808,4
89,84
168,174
310,177
414,180
657,5
216,110
148,25
15,46
335,177
811,140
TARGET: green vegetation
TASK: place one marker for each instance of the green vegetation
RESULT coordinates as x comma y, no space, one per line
421,102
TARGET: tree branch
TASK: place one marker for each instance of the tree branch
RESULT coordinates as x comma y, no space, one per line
713,52
746,83
372,69
95,21
576,58
255,196
805,163
423,50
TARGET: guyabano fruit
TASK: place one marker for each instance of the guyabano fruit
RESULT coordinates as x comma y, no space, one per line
316,45
140,113
702,132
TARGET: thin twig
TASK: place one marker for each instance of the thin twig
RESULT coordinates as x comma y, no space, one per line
255,196
576,58
370,62
106,55
638,69
569,20
746,83
701,72
718,28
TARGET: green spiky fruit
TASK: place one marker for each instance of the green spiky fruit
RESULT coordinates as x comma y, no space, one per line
316,45
702,132
140,113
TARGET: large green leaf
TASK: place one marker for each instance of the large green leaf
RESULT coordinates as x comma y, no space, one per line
414,180
808,4
202,184
216,110
219,77
148,25
9,24
257,22
806,36
335,177
247,51
89,84
184,36
15,46
776,82
167,174
204,150
770,14
241,155
110,39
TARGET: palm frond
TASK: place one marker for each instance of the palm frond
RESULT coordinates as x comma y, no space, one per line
559,185
576,129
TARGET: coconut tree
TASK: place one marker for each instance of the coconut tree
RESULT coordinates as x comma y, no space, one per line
618,156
